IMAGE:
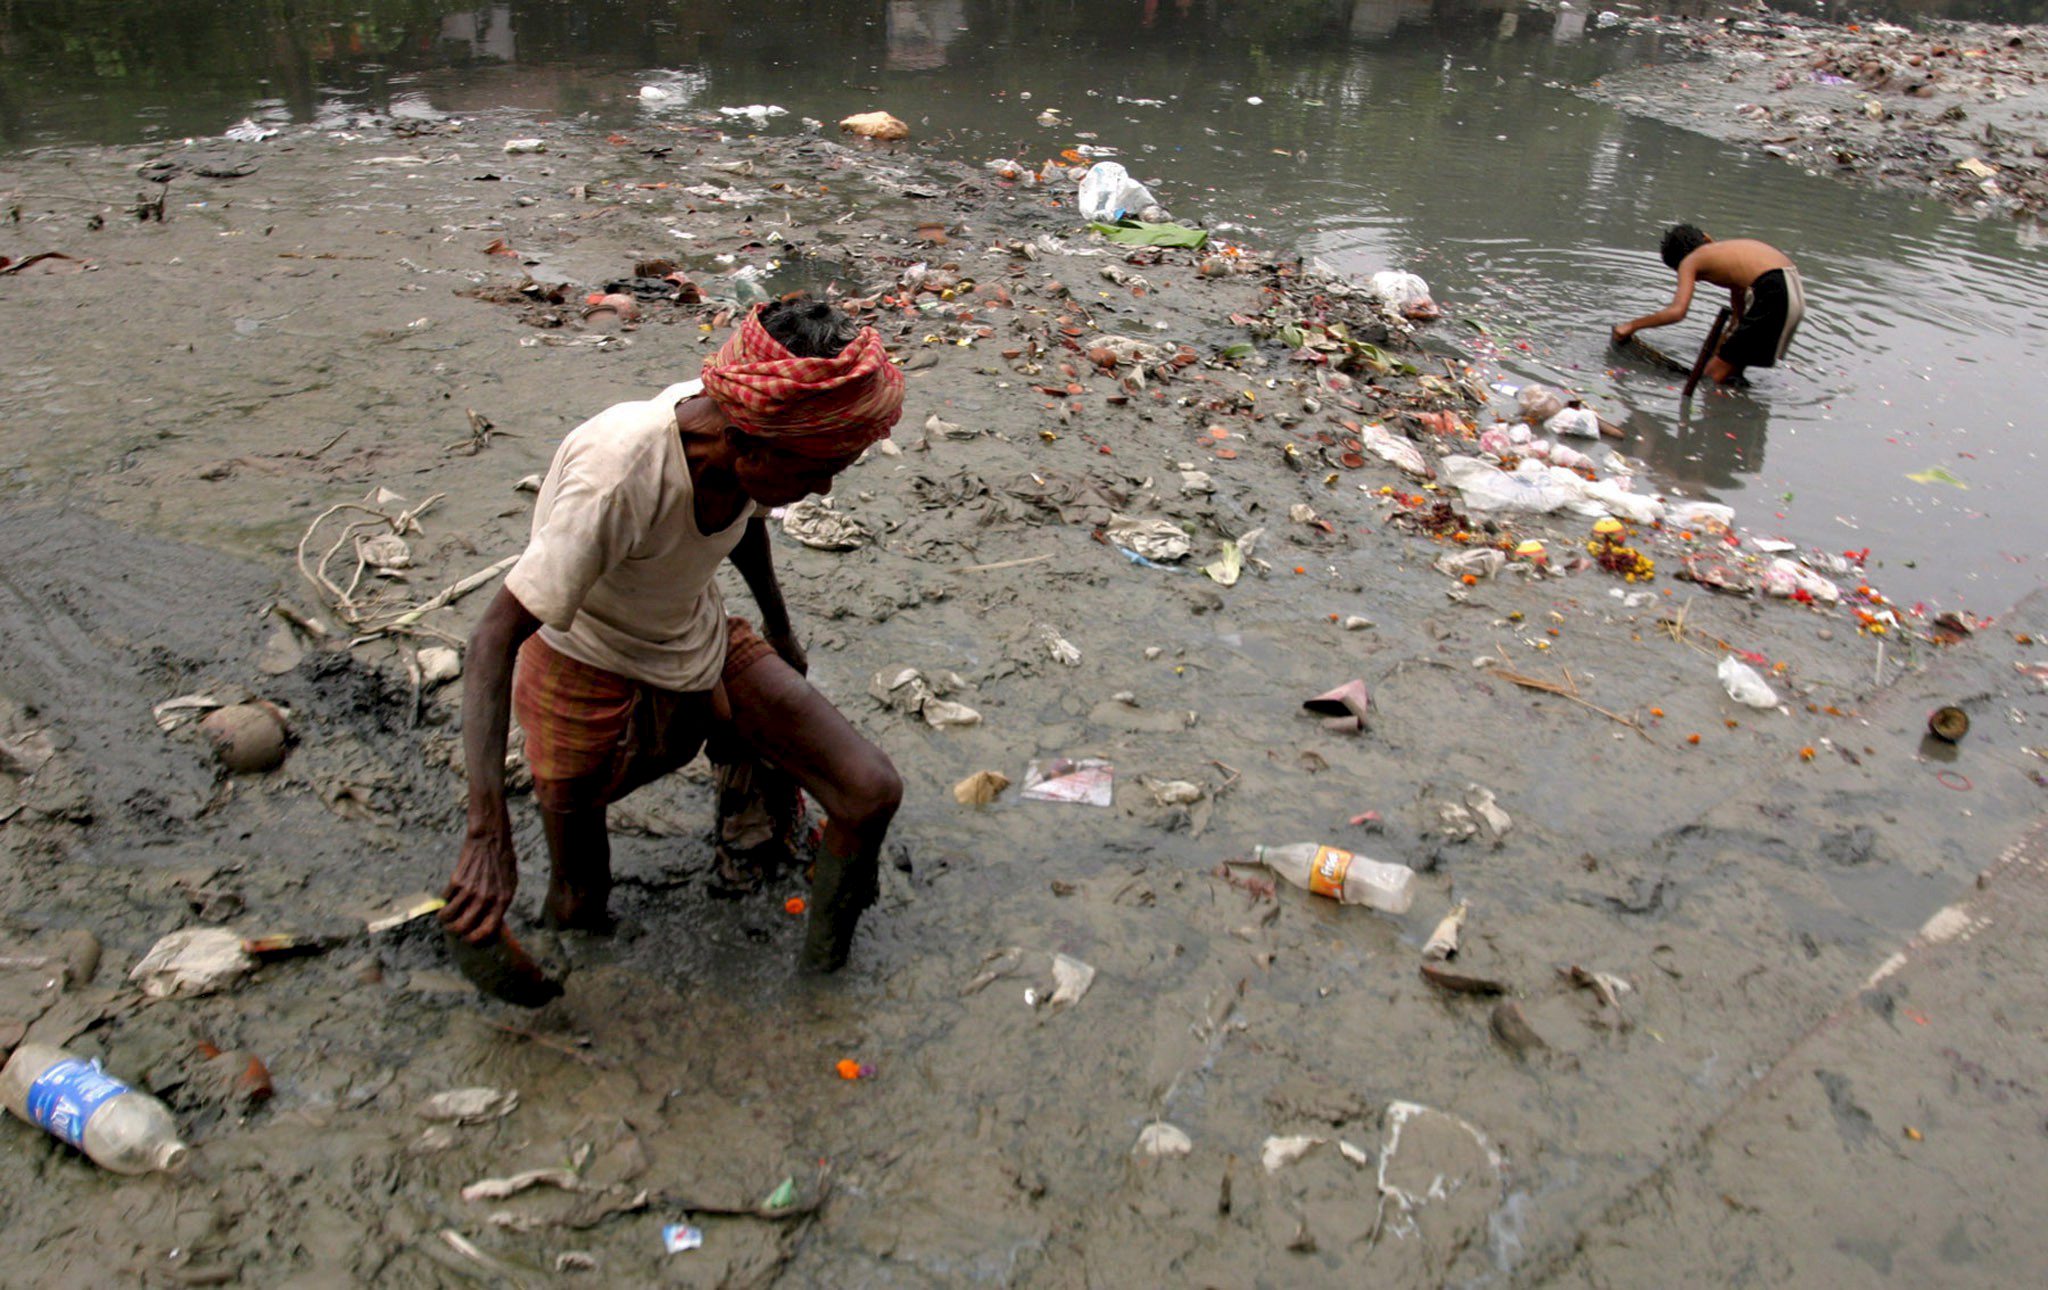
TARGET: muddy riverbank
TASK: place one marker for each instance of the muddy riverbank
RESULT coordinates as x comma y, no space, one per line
316,318
1958,111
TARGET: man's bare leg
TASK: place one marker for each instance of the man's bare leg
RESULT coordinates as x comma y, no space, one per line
783,718
579,870
579,845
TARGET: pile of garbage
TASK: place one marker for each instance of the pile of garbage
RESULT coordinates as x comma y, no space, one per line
1942,108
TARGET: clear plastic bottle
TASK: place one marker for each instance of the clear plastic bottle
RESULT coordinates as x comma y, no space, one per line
72,1099
1341,875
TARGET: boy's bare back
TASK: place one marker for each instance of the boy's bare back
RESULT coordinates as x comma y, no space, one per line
1736,263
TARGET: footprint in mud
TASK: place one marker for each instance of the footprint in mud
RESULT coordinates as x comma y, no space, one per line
1851,1120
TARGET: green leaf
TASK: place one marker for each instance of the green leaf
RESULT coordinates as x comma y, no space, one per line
1239,350
1937,475
1226,570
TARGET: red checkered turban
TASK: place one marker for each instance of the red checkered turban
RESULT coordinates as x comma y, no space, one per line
813,407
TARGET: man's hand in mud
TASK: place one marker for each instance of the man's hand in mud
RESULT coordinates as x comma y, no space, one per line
485,878
785,644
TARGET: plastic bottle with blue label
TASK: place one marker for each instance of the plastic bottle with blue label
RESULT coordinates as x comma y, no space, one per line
71,1098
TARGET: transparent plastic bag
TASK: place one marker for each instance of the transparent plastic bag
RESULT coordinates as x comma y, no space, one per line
1108,193
1536,404
1744,685
1574,421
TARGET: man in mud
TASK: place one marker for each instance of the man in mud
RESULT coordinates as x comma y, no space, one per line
1766,299
610,640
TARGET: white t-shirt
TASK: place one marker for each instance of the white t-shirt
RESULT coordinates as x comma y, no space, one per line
616,569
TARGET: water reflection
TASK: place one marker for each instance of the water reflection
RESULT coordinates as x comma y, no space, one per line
481,33
920,31
1431,135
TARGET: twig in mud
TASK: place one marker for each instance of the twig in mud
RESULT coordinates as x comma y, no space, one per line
416,683
1552,687
805,1209
1679,630
463,1246
481,428
37,258
1003,564
300,619
567,1050
315,454
1232,771
409,620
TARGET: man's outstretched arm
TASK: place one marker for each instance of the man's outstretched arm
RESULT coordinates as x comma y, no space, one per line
487,873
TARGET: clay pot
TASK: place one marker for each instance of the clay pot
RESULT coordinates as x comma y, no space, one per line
247,738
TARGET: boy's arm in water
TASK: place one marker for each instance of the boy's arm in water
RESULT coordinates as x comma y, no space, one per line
487,874
1681,301
756,563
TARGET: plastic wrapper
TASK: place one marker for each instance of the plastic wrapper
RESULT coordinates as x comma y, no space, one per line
1108,193
1536,404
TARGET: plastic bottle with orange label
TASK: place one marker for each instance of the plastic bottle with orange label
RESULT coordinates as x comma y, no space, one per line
1342,875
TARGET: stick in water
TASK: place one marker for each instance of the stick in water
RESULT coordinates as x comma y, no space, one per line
1699,365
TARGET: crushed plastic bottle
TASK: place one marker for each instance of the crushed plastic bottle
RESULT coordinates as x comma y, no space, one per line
1342,875
72,1099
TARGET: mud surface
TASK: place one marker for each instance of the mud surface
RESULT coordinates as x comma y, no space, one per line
1956,110
184,407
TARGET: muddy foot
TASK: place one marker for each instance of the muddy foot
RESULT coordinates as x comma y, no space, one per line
838,897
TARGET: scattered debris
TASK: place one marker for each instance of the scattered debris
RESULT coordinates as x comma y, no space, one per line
1071,978
469,1105
1443,942
198,960
1087,781
1160,1141
817,523
908,690
1276,1153
980,788
875,125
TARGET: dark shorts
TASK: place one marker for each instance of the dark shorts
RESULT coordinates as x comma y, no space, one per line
587,729
1771,312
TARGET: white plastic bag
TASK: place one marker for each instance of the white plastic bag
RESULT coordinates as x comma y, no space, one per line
1782,577
1392,448
1406,293
1108,193
1570,458
1633,507
1574,421
1698,515
1744,685
1534,487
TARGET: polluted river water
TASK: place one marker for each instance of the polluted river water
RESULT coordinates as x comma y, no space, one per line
1447,140
1669,893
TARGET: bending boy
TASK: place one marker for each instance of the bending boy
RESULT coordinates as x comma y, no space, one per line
610,640
1766,299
